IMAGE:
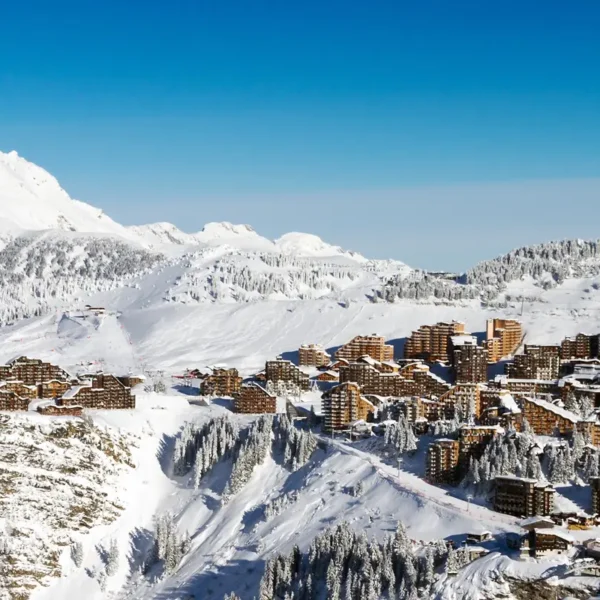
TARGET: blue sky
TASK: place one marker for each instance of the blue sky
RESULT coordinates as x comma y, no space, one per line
436,132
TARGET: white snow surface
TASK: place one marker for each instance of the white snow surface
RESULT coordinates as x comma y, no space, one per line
32,199
227,295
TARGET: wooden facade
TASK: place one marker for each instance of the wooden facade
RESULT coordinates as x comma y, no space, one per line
469,360
104,391
60,411
503,338
431,342
443,461
10,401
221,382
522,497
32,371
254,399
313,355
372,345
537,362
581,346
286,370
53,388
342,405
546,418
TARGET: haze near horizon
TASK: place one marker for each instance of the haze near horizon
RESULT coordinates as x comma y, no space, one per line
438,135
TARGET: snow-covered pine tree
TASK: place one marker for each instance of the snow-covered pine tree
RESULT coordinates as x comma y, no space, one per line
112,559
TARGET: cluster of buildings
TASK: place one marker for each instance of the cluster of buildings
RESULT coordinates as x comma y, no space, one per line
24,380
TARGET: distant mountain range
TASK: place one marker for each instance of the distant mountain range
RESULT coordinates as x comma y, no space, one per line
56,252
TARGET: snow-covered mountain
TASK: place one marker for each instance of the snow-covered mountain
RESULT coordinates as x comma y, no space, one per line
32,199
226,294
56,251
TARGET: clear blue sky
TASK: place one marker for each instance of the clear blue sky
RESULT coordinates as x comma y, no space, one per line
433,131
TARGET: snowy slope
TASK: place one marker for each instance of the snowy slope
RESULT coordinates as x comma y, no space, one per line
30,198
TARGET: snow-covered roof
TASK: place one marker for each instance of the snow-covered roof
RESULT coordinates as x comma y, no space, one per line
532,520
369,360
74,390
557,410
556,533
464,340
508,402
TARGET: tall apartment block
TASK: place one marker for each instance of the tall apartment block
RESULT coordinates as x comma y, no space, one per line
442,461
221,382
523,497
370,345
431,342
503,337
581,346
537,362
285,370
313,355
254,399
342,405
469,360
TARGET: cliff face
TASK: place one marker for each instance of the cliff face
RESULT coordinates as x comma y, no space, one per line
57,481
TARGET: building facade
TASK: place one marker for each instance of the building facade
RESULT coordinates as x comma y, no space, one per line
254,399
342,405
522,497
221,382
546,418
285,370
537,362
443,461
431,342
313,355
503,338
371,345
469,360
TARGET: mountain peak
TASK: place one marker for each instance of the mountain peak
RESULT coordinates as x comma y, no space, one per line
32,199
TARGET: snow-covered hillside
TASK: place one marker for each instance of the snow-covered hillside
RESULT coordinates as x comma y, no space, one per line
30,198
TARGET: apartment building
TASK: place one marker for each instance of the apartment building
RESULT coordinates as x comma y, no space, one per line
254,399
285,370
32,371
527,387
469,360
342,405
103,391
431,342
443,461
313,355
503,337
522,497
464,399
546,418
426,383
499,407
10,401
595,490
581,346
221,382
474,438
590,429
371,345
372,381
537,362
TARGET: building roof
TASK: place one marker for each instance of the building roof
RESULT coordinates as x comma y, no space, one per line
556,533
537,519
464,340
557,410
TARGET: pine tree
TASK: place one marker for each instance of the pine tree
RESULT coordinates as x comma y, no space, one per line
112,564
77,554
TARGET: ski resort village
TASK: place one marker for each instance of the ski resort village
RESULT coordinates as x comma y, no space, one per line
217,415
